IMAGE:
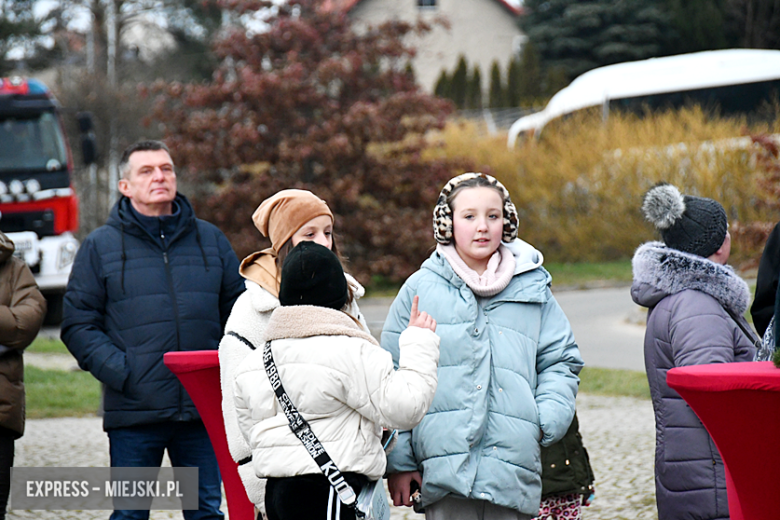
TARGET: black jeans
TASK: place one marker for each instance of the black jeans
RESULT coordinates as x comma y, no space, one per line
306,497
7,438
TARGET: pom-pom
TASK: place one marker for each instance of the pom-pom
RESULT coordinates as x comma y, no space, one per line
663,206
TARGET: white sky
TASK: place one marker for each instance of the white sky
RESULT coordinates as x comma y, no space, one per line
80,18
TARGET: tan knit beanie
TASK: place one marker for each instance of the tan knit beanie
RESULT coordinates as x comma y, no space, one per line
282,214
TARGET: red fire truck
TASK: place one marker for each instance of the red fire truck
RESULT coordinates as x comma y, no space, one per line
38,206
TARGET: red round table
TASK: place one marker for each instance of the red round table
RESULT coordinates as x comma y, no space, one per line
198,372
739,404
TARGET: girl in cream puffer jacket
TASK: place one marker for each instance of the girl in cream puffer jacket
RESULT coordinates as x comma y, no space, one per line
286,218
340,380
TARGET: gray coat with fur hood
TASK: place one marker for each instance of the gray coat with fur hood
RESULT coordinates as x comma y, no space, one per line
687,324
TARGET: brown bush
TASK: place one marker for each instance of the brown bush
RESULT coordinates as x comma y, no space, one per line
311,104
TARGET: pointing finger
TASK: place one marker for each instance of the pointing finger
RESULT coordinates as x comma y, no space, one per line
415,304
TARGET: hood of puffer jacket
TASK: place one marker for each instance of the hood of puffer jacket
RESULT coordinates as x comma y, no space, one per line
660,271
264,301
7,247
260,268
124,218
305,321
527,258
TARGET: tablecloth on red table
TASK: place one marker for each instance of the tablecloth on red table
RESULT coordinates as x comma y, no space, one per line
739,404
198,372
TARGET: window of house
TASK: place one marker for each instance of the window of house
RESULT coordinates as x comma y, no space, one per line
426,4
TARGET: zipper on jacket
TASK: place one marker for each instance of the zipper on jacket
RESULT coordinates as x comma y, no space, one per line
169,275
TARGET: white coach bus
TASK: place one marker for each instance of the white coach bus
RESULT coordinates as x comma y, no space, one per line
736,81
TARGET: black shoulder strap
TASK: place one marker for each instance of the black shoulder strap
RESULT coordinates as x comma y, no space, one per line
745,330
300,427
242,339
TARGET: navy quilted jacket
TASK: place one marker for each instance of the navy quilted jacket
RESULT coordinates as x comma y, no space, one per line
141,287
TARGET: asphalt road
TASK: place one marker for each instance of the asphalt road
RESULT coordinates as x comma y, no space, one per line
608,325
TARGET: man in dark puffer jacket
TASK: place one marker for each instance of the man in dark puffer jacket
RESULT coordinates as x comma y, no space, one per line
153,279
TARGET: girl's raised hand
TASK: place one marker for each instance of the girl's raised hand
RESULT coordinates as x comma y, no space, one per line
421,319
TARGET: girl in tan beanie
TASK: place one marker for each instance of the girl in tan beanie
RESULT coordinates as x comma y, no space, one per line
287,218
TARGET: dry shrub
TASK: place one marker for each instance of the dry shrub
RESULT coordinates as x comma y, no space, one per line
751,235
579,188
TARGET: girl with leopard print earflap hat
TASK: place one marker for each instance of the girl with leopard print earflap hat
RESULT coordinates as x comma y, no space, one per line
286,218
508,365
694,301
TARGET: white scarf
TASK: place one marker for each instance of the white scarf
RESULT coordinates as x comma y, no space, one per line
496,277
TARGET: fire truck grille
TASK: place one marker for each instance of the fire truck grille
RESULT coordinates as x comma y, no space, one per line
42,222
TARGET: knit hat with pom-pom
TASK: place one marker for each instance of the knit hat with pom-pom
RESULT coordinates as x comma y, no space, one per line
695,225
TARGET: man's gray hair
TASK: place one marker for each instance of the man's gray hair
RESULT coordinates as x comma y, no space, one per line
140,146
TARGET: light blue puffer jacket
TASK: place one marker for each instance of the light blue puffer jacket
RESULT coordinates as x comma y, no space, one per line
508,366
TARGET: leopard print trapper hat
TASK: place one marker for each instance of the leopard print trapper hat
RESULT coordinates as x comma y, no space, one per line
442,213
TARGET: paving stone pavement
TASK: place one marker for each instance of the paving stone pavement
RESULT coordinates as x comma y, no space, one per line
618,433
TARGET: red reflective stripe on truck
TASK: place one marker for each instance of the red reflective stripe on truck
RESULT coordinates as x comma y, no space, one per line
17,85
65,209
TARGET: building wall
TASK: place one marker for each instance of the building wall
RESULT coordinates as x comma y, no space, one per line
481,30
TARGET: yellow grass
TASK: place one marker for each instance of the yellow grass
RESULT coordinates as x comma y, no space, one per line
579,188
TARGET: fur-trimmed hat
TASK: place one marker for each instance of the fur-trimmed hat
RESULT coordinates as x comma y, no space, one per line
312,275
442,213
282,214
695,225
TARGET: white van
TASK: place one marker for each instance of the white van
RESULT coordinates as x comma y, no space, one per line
738,81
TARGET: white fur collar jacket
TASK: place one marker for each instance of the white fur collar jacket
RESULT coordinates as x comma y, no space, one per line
249,318
344,385
687,297
660,271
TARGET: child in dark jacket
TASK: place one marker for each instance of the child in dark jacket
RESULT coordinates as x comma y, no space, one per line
567,478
